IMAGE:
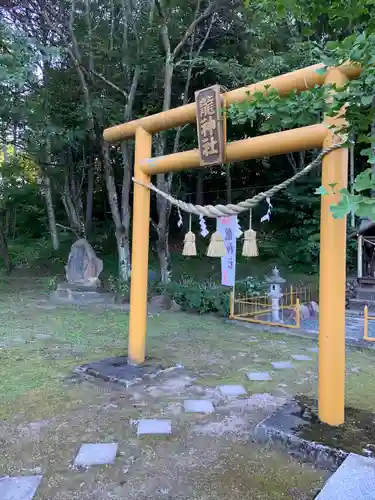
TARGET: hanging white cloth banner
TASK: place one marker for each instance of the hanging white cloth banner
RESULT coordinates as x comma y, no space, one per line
202,224
267,217
228,227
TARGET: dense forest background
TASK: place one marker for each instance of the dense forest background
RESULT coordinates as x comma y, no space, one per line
71,68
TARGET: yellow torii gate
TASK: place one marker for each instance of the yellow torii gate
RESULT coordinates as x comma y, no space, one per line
332,231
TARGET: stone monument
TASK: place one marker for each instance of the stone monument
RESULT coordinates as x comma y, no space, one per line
82,277
83,267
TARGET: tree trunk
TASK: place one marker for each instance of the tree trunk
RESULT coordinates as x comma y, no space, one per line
89,197
164,182
125,207
163,243
229,183
292,162
46,156
163,235
4,248
123,255
15,224
122,243
125,258
7,223
121,219
15,137
164,210
73,208
4,146
47,193
199,200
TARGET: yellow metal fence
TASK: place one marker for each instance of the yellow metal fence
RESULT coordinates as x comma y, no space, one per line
258,309
366,319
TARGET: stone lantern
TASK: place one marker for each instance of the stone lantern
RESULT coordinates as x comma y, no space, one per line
275,281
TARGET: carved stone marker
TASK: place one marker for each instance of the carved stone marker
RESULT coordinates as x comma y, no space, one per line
83,267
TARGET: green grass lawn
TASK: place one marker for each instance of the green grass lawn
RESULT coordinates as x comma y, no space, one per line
216,351
40,346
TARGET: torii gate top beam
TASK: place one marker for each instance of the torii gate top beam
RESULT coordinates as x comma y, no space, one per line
301,79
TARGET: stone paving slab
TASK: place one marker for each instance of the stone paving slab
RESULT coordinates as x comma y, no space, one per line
154,426
353,480
282,365
301,357
19,488
96,454
232,390
259,376
43,336
118,369
198,406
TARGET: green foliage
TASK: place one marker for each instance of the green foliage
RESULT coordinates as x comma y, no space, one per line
37,254
51,283
199,297
358,96
43,104
120,288
207,296
21,204
273,112
304,251
364,180
358,203
250,286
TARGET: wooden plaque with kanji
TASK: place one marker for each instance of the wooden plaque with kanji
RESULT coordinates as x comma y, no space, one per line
210,125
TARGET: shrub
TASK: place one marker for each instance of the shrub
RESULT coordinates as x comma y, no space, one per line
207,296
120,288
51,283
251,286
193,296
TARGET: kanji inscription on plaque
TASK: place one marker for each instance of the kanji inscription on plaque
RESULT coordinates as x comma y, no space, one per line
210,125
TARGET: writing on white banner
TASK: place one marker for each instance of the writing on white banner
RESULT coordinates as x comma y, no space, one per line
228,227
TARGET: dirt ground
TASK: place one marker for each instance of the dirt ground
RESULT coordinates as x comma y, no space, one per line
46,412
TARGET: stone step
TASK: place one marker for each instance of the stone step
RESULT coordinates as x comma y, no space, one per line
353,480
368,282
73,297
359,304
68,287
364,293
354,314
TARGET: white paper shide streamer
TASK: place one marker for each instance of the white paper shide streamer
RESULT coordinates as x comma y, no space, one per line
180,222
267,217
203,227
